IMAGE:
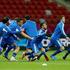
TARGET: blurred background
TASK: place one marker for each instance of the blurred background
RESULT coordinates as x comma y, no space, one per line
50,10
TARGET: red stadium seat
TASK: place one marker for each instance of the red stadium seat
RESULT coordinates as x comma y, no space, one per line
34,8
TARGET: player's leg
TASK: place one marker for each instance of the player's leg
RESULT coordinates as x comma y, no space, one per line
31,54
1,50
13,58
34,50
3,46
17,49
26,53
46,49
8,50
15,52
44,53
60,49
68,52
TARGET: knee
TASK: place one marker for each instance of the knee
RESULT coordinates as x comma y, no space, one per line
42,49
62,48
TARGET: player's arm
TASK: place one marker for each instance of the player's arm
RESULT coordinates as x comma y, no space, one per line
62,29
25,35
23,29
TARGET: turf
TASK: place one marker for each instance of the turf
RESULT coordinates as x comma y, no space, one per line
59,64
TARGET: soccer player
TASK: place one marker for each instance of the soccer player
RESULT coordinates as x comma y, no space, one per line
30,31
38,39
42,34
9,39
58,32
3,30
16,30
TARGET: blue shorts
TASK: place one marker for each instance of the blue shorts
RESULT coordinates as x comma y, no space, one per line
57,43
8,40
39,39
36,44
32,45
22,43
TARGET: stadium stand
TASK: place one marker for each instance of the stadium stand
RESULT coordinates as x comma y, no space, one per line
36,9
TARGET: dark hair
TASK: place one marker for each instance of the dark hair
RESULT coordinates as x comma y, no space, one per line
5,19
27,17
18,19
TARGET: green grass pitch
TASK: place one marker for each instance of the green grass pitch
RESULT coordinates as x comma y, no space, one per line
59,64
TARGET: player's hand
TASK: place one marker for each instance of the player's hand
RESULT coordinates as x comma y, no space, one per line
68,38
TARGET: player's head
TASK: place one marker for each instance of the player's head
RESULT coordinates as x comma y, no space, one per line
5,20
27,17
63,19
43,24
19,21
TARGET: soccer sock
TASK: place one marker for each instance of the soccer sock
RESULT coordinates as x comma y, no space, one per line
46,58
55,53
14,54
40,55
8,50
31,56
66,55
46,49
0,50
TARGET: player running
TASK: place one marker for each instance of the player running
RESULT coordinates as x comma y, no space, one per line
7,33
3,30
9,39
38,40
59,31
67,53
30,31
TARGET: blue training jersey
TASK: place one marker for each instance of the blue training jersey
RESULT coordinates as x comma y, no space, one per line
3,29
15,28
11,30
30,28
5,32
59,30
42,32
